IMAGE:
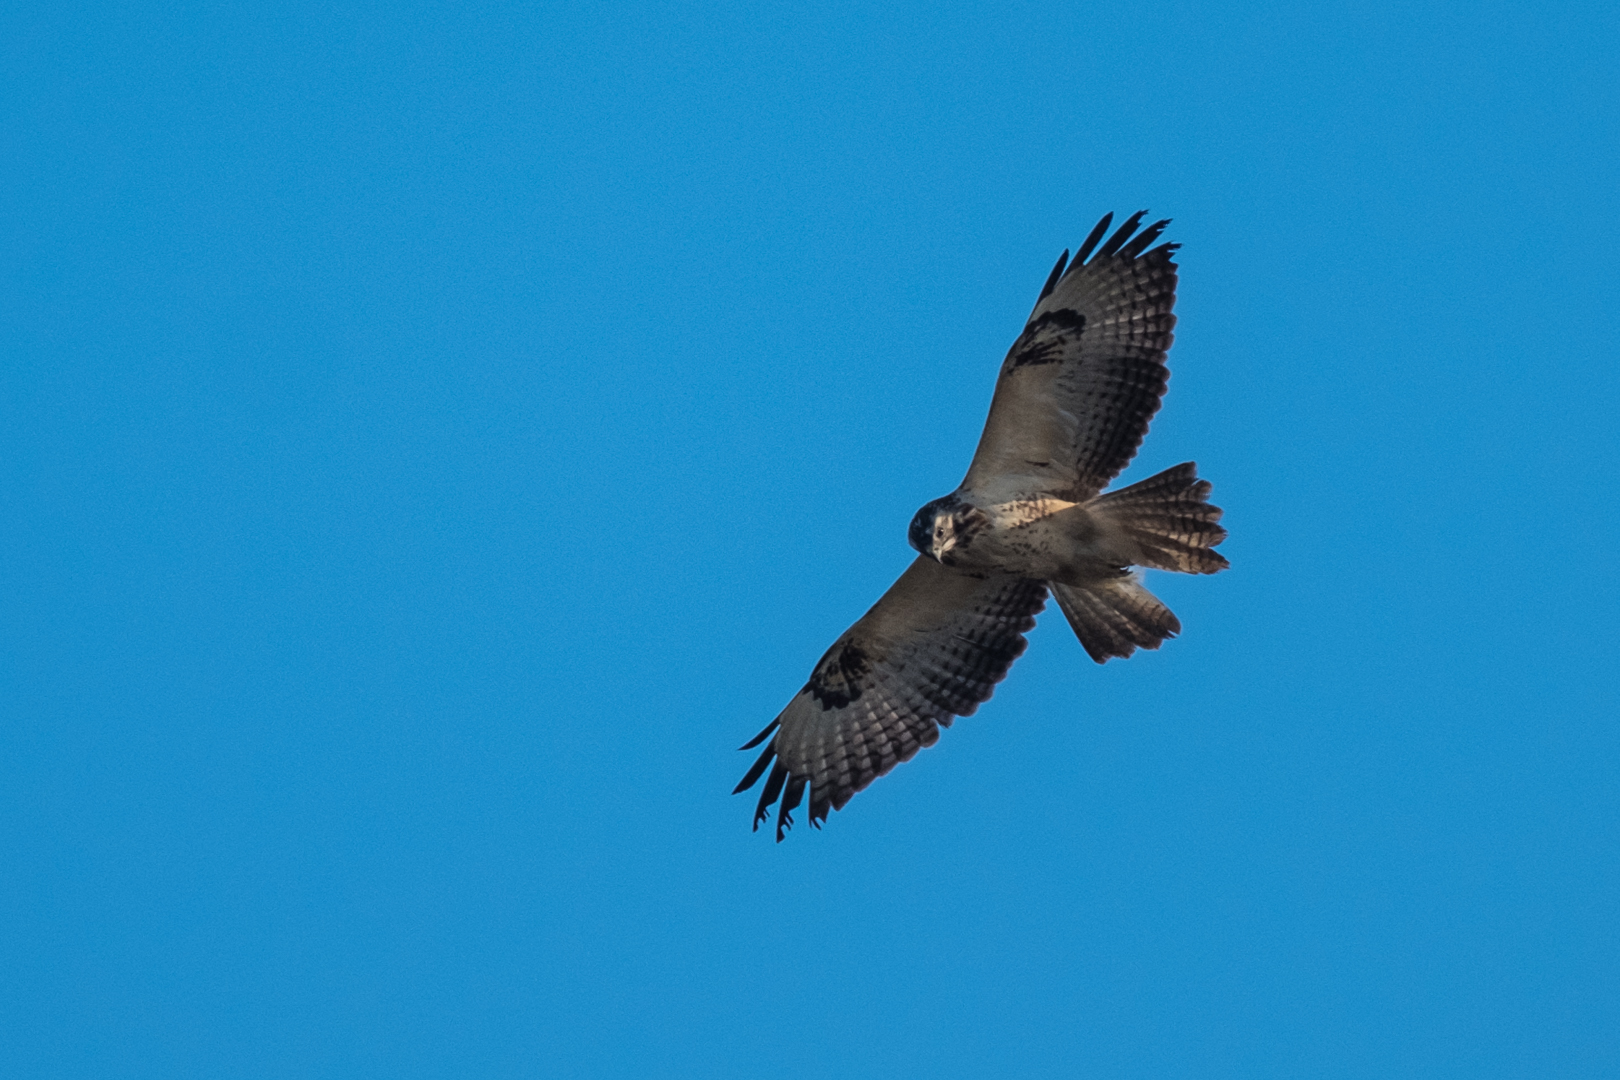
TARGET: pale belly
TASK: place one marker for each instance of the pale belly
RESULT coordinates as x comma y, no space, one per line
1048,541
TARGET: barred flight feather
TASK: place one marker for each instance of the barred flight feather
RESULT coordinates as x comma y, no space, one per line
935,646
1083,381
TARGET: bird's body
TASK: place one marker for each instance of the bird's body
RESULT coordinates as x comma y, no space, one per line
1045,538
1072,404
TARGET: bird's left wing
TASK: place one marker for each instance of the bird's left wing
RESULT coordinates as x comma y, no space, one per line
929,651
1083,380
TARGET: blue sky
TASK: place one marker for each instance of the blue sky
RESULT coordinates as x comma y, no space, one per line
433,437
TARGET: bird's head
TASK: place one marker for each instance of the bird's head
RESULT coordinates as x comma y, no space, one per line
938,528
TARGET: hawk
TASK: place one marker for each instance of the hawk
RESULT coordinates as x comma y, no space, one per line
1071,405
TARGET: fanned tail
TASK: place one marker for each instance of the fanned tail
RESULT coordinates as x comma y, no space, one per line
1170,519
1116,617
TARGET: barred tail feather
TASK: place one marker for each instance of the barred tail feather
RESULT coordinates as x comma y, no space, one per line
1116,617
1170,519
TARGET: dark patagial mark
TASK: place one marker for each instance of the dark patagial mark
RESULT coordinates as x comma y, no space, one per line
1047,338
1063,318
836,680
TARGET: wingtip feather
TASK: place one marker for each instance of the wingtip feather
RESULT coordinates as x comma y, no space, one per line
755,772
1140,242
1095,235
1053,278
757,739
1122,234
790,802
773,788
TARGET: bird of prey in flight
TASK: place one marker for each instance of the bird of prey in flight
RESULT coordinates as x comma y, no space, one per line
1071,406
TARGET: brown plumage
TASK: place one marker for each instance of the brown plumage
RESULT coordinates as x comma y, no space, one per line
1072,404
929,651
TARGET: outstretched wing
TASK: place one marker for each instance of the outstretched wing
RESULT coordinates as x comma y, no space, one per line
1083,380
929,651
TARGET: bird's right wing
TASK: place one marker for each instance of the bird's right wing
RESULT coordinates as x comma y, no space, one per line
929,651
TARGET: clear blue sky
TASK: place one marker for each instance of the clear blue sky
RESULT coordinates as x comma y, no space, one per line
434,437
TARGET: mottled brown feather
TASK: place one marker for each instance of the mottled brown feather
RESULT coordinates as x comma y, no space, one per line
1082,382
930,650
